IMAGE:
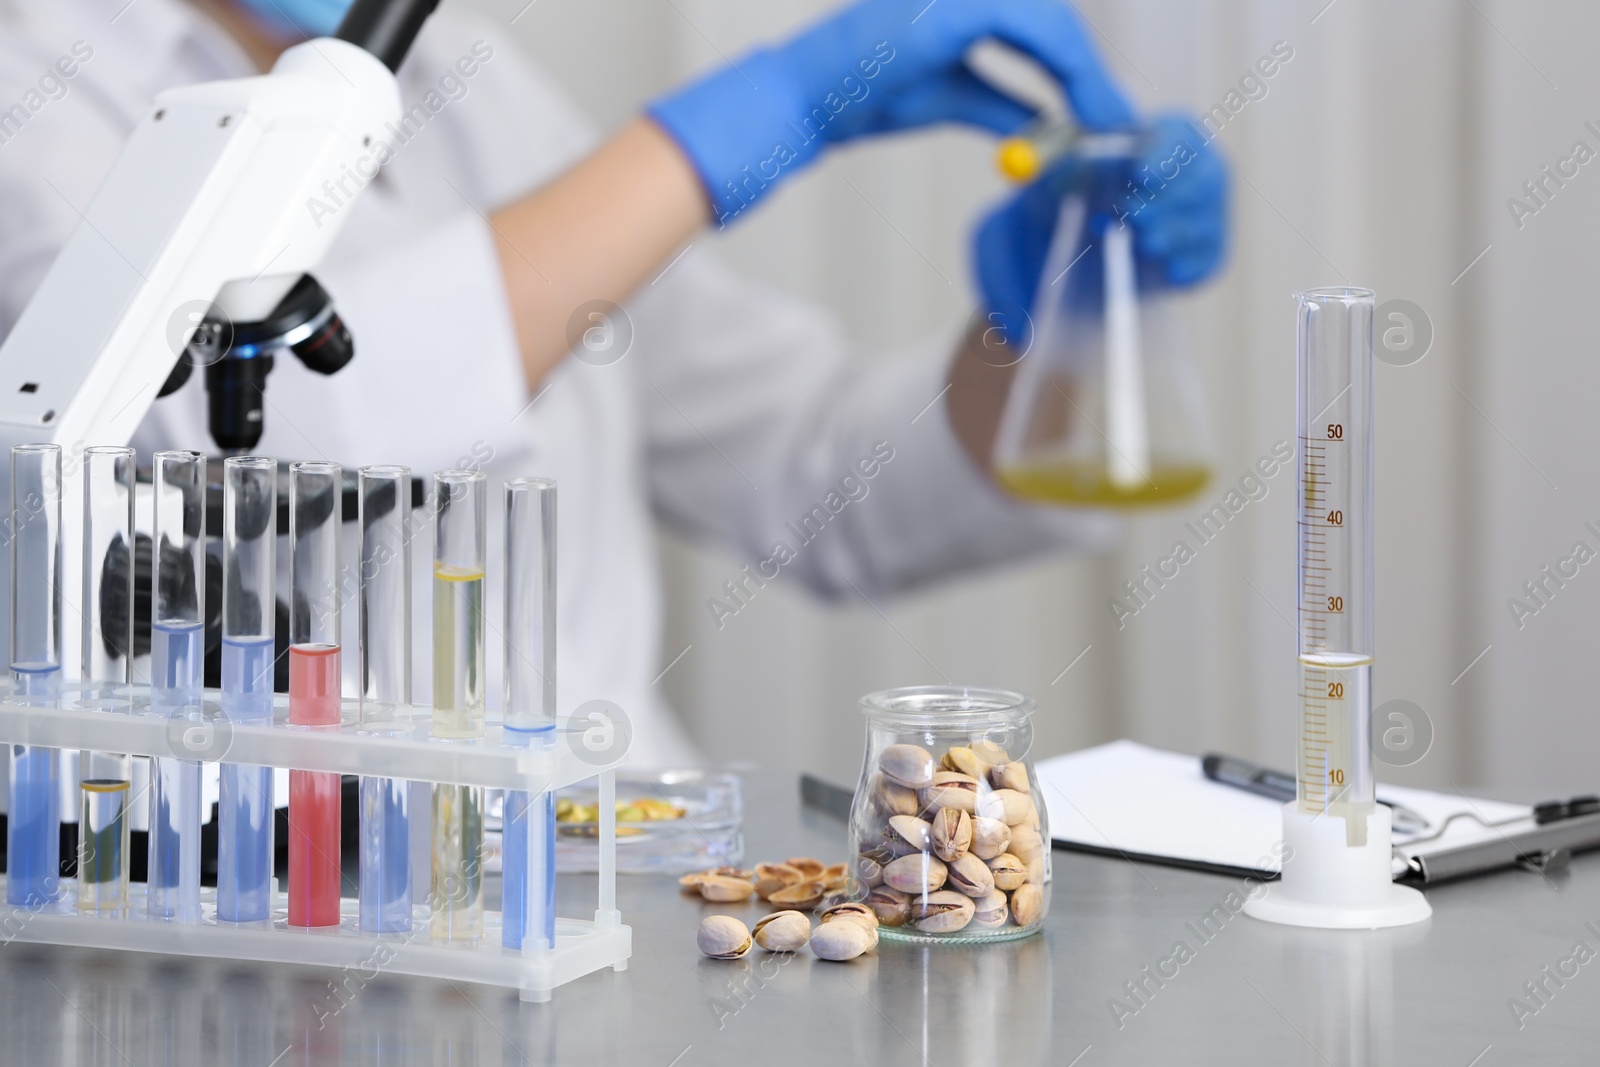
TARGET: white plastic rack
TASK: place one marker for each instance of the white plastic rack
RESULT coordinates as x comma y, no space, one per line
581,945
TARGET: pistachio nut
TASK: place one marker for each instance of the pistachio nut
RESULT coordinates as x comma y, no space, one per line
951,834
891,906
802,895
950,789
1009,872
943,912
990,837
878,851
721,889
1010,776
807,866
896,846
970,875
869,872
891,798
912,830
841,940
722,937
990,910
1027,844
989,752
783,931
908,765
1007,805
921,873
1036,872
771,877
692,881
850,912
1027,905
834,876
964,760
853,910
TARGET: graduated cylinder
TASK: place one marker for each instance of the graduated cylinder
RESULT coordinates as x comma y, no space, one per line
1334,420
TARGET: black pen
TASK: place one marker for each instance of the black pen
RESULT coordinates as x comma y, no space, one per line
1266,782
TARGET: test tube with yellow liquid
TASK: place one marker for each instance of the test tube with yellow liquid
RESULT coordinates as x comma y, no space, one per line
104,777
459,709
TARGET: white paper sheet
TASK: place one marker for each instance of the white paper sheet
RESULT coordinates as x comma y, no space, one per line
1128,797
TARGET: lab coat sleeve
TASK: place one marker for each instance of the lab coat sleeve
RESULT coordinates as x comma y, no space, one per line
768,432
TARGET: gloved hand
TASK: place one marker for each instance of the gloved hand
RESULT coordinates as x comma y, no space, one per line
1175,197
876,67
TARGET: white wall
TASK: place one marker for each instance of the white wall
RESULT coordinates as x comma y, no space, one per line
1382,155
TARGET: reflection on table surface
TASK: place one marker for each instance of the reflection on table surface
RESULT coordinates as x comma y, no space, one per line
1106,983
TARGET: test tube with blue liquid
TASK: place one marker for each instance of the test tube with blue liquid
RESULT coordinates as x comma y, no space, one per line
385,626
177,656
33,829
107,613
249,613
529,842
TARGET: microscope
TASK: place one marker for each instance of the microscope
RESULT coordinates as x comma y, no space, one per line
204,207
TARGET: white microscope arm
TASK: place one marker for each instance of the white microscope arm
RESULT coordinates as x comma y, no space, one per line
208,203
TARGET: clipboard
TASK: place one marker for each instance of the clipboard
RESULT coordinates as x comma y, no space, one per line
1128,800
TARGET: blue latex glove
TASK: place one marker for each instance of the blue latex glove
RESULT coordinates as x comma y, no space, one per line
1175,197
298,18
876,67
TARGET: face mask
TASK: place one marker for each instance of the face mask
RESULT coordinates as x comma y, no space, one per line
313,18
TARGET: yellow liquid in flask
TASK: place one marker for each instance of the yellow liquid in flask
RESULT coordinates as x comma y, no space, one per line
1090,484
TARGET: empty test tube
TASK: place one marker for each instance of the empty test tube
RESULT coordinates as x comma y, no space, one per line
177,653
314,498
249,611
107,612
528,906
459,710
385,605
33,843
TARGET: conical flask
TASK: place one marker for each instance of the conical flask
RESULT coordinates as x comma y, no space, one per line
1105,409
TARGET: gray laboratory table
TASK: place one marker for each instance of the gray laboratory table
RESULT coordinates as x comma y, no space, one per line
1245,992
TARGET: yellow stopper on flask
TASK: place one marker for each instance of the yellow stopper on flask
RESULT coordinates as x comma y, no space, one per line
1018,159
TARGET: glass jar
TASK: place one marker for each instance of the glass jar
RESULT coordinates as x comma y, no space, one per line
950,843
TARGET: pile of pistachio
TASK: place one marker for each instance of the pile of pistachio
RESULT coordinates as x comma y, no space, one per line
799,883
844,932
951,842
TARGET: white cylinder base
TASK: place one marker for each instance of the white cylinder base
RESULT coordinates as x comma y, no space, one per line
1328,884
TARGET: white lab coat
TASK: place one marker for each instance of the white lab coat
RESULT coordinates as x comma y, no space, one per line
736,413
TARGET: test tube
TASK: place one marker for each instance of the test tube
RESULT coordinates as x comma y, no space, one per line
177,652
107,613
249,612
314,513
528,836
1335,556
385,604
33,829
459,711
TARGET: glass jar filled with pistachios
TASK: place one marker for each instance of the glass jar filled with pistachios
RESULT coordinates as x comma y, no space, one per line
947,832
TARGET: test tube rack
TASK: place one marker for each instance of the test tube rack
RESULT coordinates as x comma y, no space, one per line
581,946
